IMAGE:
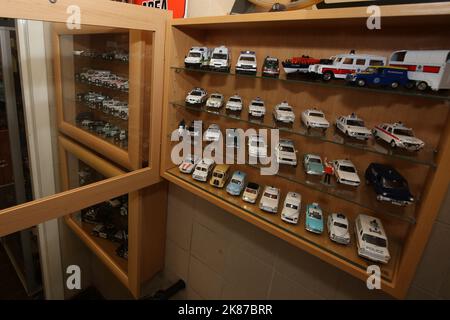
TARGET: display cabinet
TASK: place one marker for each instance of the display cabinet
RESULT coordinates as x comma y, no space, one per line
126,233
322,34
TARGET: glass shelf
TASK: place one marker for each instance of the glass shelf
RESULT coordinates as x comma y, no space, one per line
347,254
425,156
308,80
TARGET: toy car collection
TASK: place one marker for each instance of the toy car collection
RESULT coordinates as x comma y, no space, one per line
257,108
220,175
203,170
220,59
246,63
388,184
270,199
371,239
251,192
271,67
346,173
198,57
398,136
103,78
234,103
313,164
283,112
353,127
314,218
216,101
237,183
286,153
338,228
393,77
196,96
344,64
291,208
313,118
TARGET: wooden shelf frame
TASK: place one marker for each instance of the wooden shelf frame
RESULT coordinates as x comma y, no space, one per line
269,34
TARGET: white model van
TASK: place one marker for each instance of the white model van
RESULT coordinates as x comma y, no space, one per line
220,59
198,57
428,68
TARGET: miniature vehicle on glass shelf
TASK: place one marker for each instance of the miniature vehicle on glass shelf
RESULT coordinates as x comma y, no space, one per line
203,169
346,173
188,164
314,218
123,135
427,68
388,184
87,124
233,139
257,146
257,108
313,164
196,96
220,175
120,236
270,199
353,127
122,56
392,77
271,67
291,208
398,136
344,64
195,129
234,103
216,100
213,133
251,192
220,59
284,113
237,183
338,228
198,57
314,118
371,239
104,231
298,65
286,153
246,63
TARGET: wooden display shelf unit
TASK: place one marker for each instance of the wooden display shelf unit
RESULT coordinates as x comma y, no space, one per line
321,34
146,221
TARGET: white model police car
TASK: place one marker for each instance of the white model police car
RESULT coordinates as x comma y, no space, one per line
215,101
257,146
286,153
270,199
197,57
213,133
398,136
291,208
283,112
203,170
338,228
196,96
371,239
188,164
220,59
353,127
313,118
346,173
246,63
234,103
257,108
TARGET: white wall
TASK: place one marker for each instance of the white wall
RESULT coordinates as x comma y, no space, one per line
198,8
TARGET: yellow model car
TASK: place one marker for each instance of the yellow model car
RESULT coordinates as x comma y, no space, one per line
220,176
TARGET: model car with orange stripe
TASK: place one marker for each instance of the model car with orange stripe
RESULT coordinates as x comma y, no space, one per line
398,136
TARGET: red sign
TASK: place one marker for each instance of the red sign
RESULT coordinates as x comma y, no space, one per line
178,7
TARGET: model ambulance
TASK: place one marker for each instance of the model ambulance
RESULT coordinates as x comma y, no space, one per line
398,136
247,63
428,68
198,57
220,59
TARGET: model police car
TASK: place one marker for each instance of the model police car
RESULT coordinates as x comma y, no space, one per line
393,77
257,108
215,101
189,163
257,146
313,118
283,112
338,228
237,183
270,199
286,153
198,57
220,59
234,103
371,239
346,173
398,136
291,208
246,63
251,192
314,218
213,133
196,96
203,170
353,127
271,67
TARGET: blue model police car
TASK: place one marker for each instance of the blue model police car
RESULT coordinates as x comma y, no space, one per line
381,76
389,185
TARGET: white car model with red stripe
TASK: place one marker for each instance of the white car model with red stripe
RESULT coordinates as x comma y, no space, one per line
189,163
428,68
344,64
398,136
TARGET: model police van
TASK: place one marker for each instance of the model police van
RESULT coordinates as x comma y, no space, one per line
220,59
428,68
198,57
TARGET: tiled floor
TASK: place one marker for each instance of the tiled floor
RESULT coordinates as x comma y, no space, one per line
10,286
